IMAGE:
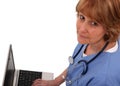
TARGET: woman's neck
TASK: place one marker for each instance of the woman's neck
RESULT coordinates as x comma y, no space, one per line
97,47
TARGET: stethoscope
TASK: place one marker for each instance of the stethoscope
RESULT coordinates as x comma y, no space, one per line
84,62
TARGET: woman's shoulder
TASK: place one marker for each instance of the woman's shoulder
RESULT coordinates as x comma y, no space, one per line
78,46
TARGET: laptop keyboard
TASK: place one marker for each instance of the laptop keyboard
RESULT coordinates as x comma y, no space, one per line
26,78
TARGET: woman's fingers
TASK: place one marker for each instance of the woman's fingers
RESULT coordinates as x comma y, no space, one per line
39,82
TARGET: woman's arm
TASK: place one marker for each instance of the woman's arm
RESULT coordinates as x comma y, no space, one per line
61,78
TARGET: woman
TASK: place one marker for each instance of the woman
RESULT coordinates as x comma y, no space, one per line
96,58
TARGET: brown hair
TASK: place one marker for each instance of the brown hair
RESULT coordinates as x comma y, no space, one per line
106,12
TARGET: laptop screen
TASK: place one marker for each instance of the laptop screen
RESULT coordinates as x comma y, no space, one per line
10,69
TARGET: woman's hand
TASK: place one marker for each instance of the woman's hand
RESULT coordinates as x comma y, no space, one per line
55,82
40,82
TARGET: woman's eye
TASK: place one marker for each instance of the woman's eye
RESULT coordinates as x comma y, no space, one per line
94,23
81,17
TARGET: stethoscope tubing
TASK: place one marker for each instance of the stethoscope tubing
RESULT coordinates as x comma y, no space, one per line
78,52
96,54
84,62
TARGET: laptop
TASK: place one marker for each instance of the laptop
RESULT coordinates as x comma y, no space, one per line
15,77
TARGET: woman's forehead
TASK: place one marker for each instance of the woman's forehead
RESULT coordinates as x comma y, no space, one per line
90,8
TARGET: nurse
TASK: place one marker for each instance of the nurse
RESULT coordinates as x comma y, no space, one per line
95,60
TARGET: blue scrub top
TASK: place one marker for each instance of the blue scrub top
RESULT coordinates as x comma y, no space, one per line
103,71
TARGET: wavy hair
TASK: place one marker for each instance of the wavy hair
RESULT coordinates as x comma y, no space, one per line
105,12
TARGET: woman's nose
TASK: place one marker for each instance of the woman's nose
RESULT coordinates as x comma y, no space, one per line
82,27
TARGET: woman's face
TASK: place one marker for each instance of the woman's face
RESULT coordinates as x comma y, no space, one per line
89,31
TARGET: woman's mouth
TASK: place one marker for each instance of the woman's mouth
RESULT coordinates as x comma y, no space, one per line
83,36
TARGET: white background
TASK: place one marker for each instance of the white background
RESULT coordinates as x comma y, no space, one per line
42,34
